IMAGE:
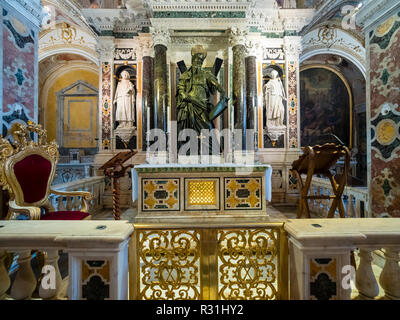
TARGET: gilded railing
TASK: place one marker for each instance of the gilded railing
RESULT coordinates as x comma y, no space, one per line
209,262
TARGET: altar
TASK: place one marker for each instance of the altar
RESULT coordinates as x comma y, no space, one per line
177,191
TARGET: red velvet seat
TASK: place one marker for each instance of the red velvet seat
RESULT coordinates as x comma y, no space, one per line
65,215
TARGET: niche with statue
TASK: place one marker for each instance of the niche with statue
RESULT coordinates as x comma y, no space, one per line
124,107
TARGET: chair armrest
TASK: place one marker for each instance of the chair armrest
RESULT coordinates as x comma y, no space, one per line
34,212
85,197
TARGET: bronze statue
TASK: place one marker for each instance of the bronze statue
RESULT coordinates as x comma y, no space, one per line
195,87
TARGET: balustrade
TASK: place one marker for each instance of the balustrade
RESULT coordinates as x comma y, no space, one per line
97,254
355,199
94,185
178,260
320,252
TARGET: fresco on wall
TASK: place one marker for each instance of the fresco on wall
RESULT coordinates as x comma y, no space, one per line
385,117
325,106
18,71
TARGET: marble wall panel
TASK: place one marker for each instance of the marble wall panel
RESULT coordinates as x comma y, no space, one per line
384,44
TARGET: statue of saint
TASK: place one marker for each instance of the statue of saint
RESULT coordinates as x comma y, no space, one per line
125,101
195,87
274,94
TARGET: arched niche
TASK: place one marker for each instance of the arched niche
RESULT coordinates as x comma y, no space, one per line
266,71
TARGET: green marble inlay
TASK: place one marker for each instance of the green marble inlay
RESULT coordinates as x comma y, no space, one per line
385,76
290,33
386,187
273,34
254,29
118,35
196,169
200,14
196,31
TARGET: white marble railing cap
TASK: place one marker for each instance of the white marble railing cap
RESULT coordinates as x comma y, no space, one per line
37,234
345,231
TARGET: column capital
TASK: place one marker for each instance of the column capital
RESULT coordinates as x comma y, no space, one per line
146,46
105,48
238,36
253,49
292,47
160,35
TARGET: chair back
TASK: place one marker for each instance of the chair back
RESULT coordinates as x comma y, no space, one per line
27,166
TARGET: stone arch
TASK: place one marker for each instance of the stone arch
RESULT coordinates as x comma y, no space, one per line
331,40
67,38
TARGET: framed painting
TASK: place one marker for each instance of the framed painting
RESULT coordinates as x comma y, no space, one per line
325,106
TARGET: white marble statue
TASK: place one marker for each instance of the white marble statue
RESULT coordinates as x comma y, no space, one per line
125,101
274,95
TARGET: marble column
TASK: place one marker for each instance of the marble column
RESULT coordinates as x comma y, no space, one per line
147,90
105,49
251,88
161,40
239,81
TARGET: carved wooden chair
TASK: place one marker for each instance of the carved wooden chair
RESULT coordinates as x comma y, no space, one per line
319,160
27,169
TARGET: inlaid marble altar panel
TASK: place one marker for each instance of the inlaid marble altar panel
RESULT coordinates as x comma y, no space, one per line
160,194
176,191
384,43
243,192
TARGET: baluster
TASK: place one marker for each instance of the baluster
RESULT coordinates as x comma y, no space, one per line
390,276
25,280
69,203
358,208
96,193
350,206
61,206
4,278
311,201
325,202
320,204
76,204
48,293
366,283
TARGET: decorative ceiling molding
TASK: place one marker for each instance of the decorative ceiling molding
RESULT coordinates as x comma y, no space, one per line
373,12
30,9
117,20
199,5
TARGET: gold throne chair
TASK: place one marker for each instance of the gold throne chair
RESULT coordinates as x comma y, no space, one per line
27,170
